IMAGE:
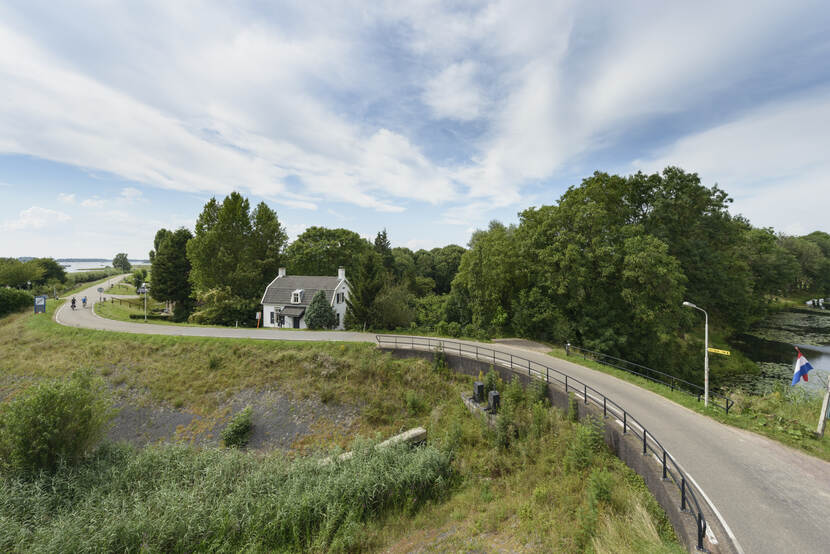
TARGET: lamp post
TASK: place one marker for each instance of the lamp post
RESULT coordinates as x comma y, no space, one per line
705,353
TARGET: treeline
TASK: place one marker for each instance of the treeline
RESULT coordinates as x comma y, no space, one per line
218,274
607,267
610,264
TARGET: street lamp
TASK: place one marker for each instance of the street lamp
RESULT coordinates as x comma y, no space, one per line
705,353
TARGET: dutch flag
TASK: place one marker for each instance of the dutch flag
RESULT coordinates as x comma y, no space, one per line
802,366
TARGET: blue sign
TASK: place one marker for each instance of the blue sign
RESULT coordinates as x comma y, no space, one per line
40,304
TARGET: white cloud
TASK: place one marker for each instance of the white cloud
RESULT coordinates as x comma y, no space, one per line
130,194
94,202
36,218
66,198
772,160
454,93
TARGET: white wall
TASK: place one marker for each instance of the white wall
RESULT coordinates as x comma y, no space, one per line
340,309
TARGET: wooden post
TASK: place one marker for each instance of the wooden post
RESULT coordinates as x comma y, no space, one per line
822,418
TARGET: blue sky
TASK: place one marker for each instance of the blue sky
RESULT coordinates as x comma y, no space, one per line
425,118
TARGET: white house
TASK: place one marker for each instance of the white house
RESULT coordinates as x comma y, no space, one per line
287,297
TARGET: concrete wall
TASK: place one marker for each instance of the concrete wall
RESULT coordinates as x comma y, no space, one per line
627,447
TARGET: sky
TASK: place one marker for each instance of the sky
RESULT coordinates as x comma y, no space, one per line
428,118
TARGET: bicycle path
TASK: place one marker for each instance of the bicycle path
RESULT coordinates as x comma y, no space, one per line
773,498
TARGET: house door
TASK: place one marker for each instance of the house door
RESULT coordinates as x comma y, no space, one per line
296,321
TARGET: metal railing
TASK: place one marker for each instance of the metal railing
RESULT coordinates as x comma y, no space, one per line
671,470
675,383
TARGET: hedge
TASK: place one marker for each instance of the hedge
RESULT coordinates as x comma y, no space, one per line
13,300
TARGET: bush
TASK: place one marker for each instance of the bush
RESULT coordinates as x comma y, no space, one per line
238,431
320,314
13,300
54,423
586,443
454,329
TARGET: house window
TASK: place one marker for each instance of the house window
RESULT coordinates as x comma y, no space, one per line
296,296
272,318
340,297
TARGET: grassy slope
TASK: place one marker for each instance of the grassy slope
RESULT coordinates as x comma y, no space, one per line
783,415
522,497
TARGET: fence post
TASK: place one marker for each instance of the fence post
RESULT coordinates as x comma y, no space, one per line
664,464
604,407
645,435
683,494
700,530
585,393
625,422
566,383
547,372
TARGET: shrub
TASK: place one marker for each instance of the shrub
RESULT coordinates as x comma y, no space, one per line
55,422
415,405
238,431
454,329
492,381
583,447
13,300
320,314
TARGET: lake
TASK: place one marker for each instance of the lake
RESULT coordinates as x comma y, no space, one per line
86,265
771,344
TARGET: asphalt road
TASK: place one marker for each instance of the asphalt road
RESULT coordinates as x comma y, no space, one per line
774,499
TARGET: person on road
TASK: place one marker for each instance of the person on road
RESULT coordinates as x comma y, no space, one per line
73,302
83,301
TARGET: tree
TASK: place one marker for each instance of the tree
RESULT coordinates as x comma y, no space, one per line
52,271
171,271
234,253
384,248
366,285
139,277
320,251
17,274
121,263
320,314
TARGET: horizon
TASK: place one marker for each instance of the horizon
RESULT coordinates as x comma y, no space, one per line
428,121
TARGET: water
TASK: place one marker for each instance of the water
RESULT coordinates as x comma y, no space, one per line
771,344
86,265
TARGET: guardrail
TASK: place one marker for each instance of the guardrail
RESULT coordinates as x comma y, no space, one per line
675,383
671,470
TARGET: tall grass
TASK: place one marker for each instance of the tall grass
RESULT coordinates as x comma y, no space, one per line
179,499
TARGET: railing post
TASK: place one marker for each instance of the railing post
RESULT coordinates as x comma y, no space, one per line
585,393
566,384
625,422
683,494
700,529
476,352
511,363
604,407
664,464
547,372
645,436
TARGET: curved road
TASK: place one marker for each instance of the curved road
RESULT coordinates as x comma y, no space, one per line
774,498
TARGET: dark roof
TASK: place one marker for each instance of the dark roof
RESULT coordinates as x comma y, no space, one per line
293,311
279,291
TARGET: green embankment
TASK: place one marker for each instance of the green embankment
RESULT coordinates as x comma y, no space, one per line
536,482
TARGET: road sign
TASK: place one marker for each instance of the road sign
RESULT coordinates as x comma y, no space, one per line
141,290
40,304
100,289
721,352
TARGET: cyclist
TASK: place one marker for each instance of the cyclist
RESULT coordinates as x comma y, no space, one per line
83,301
73,302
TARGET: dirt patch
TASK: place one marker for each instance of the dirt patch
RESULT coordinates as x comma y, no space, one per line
279,421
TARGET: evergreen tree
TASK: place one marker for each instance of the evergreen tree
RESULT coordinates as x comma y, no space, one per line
366,285
171,271
320,314
384,248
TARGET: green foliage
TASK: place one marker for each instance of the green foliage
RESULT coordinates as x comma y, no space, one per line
139,277
176,498
586,443
320,251
121,263
12,300
415,404
53,272
492,381
220,306
53,423
320,314
392,307
367,282
238,431
14,273
235,249
171,271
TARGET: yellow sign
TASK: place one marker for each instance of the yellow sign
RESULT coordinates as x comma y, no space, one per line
722,352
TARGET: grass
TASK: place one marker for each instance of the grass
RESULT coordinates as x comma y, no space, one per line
786,415
121,288
83,286
525,496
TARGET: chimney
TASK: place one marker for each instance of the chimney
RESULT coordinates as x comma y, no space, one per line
341,272
281,272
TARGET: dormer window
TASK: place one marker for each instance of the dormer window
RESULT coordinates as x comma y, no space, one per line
297,296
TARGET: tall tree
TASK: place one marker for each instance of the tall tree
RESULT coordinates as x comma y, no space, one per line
121,263
320,314
14,273
367,282
384,248
320,251
171,271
